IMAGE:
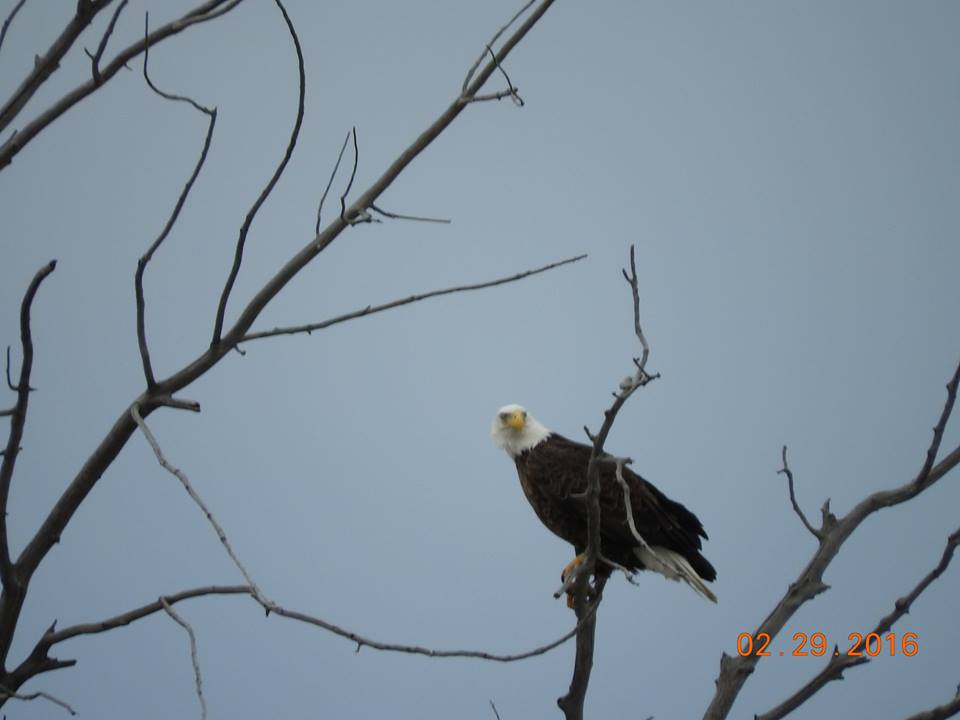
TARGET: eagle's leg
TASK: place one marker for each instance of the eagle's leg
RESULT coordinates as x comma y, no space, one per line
570,569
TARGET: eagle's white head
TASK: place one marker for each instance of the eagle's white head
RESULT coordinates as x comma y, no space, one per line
515,430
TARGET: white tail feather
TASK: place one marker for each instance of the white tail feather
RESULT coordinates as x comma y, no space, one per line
673,566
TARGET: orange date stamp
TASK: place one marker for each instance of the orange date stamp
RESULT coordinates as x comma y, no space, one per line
869,645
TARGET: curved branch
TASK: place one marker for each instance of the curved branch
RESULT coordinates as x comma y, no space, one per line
268,188
735,671
785,470
205,12
6,23
146,257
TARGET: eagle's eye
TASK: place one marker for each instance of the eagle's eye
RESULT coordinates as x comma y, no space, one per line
504,416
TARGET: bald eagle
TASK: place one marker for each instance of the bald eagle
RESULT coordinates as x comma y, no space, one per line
553,470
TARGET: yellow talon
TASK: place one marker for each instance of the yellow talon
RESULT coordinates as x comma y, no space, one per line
566,572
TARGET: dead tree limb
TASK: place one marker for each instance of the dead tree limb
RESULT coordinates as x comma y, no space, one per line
202,13
839,662
572,703
833,532
164,392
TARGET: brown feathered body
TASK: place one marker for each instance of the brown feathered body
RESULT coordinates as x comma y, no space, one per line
552,474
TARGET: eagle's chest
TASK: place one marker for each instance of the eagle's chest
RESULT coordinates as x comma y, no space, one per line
546,503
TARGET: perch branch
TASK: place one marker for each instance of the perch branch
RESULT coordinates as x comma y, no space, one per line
172,219
268,188
373,309
572,703
839,663
785,470
734,671
194,659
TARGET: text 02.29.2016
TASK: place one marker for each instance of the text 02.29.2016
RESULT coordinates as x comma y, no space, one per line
871,645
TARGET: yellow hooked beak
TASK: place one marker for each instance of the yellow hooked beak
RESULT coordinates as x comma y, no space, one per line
516,419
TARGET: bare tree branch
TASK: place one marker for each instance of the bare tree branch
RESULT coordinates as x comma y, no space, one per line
197,676
115,439
268,188
373,309
734,671
839,662
95,59
941,712
572,703
36,695
146,257
204,12
785,470
272,607
6,23
18,418
44,66
330,182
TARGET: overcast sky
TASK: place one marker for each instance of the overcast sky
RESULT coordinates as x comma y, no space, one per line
790,175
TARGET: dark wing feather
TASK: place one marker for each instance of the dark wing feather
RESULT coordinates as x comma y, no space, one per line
555,471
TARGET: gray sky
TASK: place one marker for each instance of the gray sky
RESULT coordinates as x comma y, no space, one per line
789,174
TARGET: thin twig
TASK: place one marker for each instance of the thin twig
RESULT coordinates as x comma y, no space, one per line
373,309
330,182
268,188
397,216
185,481
197,676
785,470
494,707
10,17
9,381
35,695
181,200
496,36
353,174
510,88
95,59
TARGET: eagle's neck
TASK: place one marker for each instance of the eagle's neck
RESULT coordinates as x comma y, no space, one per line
516,443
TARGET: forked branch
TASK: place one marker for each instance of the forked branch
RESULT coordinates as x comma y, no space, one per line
734,671
211,114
